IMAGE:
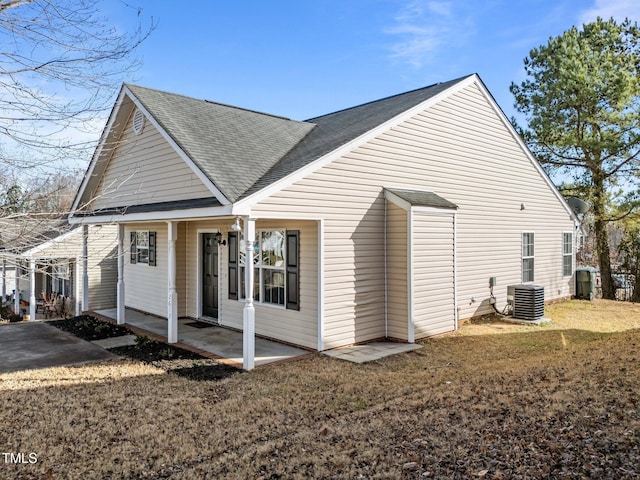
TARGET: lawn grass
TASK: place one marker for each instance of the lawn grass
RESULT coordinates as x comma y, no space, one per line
492,400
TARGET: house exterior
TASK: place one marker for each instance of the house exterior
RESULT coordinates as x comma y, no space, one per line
383,220
45,255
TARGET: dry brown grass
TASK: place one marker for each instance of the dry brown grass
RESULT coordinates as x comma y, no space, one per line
559,401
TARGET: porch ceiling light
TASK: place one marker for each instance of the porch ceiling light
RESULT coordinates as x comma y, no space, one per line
236,226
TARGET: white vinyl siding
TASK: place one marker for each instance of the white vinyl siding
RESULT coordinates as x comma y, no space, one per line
146,169
432,285
145,286
460,149
102,266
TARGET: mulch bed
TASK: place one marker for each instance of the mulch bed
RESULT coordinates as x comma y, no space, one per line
175,360
90,328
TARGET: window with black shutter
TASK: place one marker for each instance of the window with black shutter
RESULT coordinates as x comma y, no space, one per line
133,250
293,269
233,265
152,249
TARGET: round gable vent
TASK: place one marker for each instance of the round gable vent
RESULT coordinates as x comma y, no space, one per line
138,122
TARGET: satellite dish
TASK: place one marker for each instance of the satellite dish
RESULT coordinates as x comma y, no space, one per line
578,206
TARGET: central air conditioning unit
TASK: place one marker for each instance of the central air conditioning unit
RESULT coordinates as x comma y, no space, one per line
527,301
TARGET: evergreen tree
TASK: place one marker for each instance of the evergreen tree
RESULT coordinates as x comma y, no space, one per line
581,101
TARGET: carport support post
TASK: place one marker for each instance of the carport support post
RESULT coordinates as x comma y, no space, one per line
120,285
16,296
76,286
172,304
32,289
249,313
4,279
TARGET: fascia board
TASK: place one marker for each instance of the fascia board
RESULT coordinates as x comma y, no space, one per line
355,143
396,200
196,170
435,210
185,214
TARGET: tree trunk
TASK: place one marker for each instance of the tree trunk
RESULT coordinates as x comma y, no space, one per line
604,259
635,297
602,238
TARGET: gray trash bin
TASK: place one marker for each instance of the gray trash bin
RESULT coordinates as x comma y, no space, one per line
585,283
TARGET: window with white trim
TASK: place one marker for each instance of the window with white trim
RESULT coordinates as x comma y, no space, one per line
275,264
567,254
528,257
269,267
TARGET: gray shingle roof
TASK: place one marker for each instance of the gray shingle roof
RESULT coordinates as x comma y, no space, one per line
242,151
421,198
339,128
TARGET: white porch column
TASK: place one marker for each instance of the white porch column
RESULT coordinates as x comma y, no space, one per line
32,290
120,286
76,285
249,313
172,304
4,279
85,267
16,297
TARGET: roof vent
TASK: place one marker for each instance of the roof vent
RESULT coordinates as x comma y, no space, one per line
138,122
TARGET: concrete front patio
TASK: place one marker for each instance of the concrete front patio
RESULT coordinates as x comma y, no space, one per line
219,341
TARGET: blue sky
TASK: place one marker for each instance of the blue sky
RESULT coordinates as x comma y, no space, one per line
302,58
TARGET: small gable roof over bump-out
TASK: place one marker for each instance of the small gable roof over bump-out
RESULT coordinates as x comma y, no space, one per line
418,198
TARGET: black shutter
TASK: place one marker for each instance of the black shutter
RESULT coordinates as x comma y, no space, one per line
233,265
293,270
133,251
152,249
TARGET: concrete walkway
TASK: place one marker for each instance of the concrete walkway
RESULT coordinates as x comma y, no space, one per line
370,351
226,343
26,346
219,341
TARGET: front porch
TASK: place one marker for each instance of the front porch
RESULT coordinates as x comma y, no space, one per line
219,341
